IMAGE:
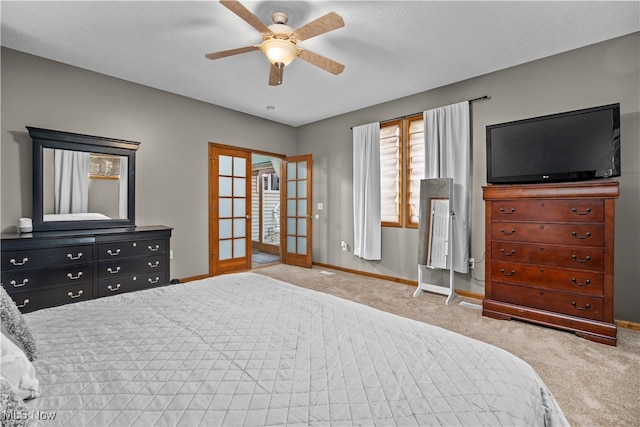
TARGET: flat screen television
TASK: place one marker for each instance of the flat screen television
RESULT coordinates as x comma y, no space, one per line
570,146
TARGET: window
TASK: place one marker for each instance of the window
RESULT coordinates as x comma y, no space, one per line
270,182
398,136
391,173
415,167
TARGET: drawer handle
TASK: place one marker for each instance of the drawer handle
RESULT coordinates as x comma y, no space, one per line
71,257
72,277
153,265
586,211
116,253
507,274
575,258
24,304
507,233
71,295
153,282
586,306
112,289
153,249
19,285
14,262
575,234
513,251
110,270
511,211
586,282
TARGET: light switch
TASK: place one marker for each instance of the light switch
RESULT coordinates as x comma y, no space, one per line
320,206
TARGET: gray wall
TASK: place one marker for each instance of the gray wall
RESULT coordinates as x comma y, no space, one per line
595,75
174,131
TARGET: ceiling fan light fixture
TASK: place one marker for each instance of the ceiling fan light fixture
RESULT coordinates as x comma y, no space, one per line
279,51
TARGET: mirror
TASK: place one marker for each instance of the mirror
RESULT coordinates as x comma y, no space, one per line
82,181
435,233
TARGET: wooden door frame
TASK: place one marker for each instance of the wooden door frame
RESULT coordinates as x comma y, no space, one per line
213,202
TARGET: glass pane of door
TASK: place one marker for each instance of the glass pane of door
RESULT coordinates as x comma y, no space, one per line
298,210
297,213
233,183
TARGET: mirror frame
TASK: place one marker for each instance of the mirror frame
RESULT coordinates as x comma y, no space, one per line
46,138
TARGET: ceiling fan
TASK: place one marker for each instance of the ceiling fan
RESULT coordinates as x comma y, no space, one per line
280,42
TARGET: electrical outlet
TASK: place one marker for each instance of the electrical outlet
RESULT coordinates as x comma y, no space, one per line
472,263
344,246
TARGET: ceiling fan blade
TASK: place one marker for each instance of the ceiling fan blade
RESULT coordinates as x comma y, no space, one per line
225,53
320,61
329,22
244,13
275,75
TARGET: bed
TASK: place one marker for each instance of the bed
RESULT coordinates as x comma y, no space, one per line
245,349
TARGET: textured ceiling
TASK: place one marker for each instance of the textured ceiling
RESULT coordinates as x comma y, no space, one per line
390,49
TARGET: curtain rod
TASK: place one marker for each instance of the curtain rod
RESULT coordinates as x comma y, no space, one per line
409,115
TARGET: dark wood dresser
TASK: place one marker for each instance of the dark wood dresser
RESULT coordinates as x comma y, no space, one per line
549,251
47,269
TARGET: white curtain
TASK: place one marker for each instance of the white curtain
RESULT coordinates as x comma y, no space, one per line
448,155
277,165
71,181
367,228
123,193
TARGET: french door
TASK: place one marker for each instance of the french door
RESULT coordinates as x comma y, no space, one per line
296,199
230,210
230,207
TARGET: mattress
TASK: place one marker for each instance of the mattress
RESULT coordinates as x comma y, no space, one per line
245,349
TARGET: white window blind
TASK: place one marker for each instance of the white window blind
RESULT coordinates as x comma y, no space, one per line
390,172
416,167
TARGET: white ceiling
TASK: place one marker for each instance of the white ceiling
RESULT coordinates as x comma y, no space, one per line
390,49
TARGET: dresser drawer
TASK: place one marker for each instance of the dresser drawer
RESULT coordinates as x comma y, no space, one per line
135,248
48,257
53,296
125,267
585,258
26,280
116,285
580,210
563,234
573,305
576,281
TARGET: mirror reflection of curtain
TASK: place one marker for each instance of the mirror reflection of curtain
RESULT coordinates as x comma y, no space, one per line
71,181
124,188
448,149
367,225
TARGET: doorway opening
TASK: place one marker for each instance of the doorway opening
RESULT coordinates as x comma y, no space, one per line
265,210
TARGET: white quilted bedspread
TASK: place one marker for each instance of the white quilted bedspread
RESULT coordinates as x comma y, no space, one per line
245,349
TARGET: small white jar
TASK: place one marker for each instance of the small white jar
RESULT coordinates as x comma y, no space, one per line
25,225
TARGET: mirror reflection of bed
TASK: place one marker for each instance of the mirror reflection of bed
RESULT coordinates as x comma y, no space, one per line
265,210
